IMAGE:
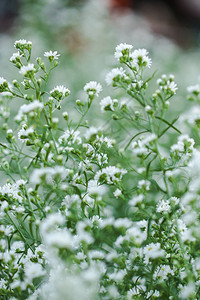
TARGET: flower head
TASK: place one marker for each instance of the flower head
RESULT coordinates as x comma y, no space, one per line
30,108
140,58
194,89
93,88
52,55
60,92
3,85
108,104
25,133
122,50
115,75
167,84
153,251
28,70
15,57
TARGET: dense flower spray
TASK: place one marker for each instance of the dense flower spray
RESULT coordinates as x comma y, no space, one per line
114,213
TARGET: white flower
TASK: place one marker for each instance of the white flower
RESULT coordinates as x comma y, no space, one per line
137,199
144,184
111,174
93,88
107,103
52,55
28,108
185,145
49,175
33,270
152,293
148,139
22,42
194,89
140,58
12,190
117,193
192,116
3,84
137,234
172,86
90,132
2,80
113,292
163,272
187,291
117,275
23,133
15,56
167,84
116,72
122,222
96,254
59,238
95,189
186,234
122,48
27,70
60,92
51,222
163,206
152,251
70,138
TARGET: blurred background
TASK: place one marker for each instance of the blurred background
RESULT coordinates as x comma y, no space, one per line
86,32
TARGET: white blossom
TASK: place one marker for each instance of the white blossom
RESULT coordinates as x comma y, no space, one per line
152,251
25,133
116,72
117,193
121,48
163,206
194,89
52,55
15,56
93,88
26,70
107,103
140,58
36,105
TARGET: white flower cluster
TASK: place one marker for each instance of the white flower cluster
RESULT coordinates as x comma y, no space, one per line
70,137
143,145
167,84
26,134
80,210
23,45
184,148
13,192
138,58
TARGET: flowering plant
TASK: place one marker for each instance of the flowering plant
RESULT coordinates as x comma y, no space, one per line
115,214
